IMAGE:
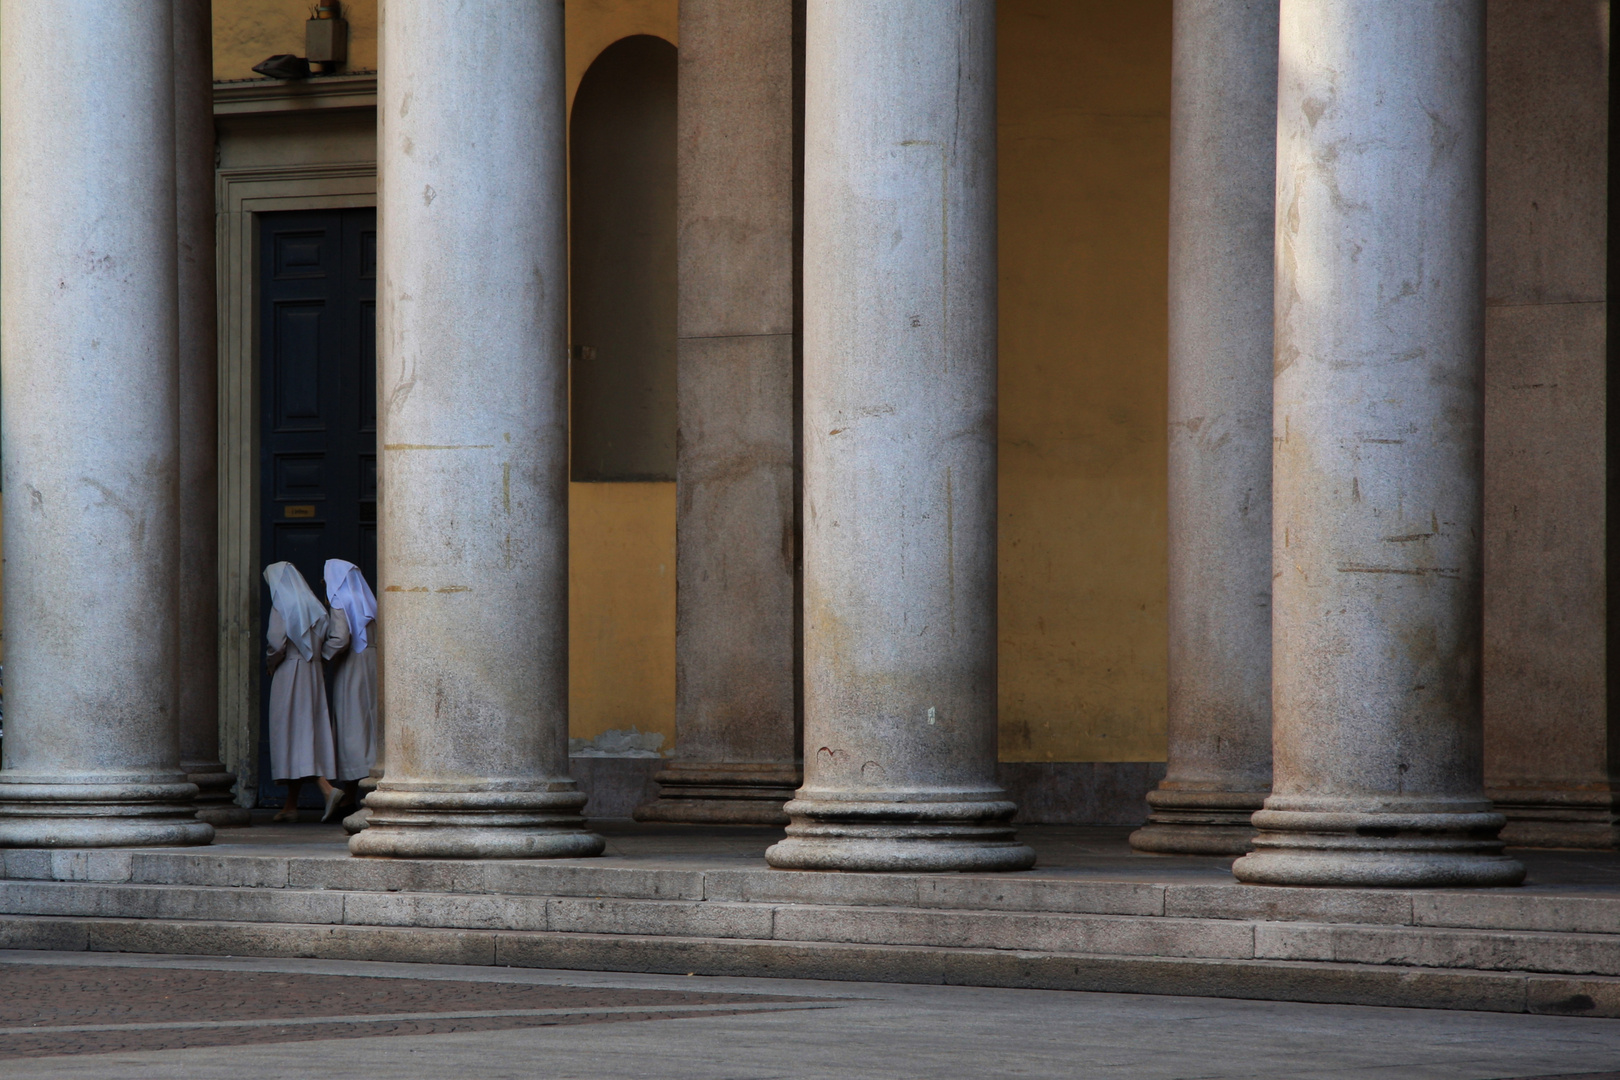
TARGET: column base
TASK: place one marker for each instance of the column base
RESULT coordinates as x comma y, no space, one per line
214,788
1186,821
427,821
718,793
1376,848
906,832
85,811
360,820
1586,817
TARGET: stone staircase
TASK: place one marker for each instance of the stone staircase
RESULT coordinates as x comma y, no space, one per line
1525,950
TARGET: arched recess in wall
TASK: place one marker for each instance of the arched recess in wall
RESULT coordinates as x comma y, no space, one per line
622,264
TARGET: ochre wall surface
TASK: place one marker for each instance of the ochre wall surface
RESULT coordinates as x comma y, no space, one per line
621,536
1084,98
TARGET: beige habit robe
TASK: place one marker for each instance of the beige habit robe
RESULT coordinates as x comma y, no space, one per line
354,705
300,724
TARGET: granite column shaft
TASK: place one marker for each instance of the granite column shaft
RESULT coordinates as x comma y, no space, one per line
472,414
1223,132
92,469
900,443
199,414
1377,476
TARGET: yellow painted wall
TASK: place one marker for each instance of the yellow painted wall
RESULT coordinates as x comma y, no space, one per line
247,31
621,567
1084,98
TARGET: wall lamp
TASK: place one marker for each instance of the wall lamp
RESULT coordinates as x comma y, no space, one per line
326,43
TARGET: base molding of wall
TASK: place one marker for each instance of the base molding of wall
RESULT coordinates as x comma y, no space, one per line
1585,817
1047,792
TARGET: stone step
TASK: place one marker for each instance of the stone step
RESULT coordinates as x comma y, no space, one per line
1552,911
1262,979
1430,947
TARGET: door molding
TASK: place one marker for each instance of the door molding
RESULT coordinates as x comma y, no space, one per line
240,195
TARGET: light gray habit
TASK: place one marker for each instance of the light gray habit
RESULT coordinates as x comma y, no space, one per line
300,724
354,705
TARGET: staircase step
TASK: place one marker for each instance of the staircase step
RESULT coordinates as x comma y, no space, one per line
1429,947
1264,979
1531,910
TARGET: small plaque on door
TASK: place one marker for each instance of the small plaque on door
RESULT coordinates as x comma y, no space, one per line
298,511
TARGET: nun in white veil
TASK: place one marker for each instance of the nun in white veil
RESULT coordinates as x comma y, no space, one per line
354,678
301,637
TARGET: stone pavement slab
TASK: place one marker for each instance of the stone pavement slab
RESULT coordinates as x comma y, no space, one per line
276,1019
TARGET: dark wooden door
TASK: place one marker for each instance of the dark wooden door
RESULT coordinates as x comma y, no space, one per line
318,394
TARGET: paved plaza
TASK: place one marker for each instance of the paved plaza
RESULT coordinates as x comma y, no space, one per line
80,1016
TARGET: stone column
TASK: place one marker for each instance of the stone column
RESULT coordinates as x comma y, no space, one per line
1377,452
736,565
900,443
199,409
92,753
1223,139
472,416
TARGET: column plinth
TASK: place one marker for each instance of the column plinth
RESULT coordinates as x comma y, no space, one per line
91,445
472,439
1223,138
900,444
1377,450
722,793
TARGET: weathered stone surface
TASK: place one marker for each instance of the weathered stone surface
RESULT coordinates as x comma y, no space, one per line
443,910
900,445
258,872
999,930
1223,137
1377,479
1498,911
91,433
472,440
1282,903
612,916
736,644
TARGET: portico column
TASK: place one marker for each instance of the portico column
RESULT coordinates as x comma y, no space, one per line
199,411
1223,138
736,563
92,753
472,427
1377,459
900,443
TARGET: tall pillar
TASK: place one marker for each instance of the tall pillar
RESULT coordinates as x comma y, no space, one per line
737,545
92,753
1377,460
199,410
472,427
1223,140
900,443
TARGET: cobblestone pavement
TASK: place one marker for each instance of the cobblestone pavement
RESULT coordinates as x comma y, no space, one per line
97,1016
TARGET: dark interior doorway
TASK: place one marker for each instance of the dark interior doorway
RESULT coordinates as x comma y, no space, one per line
622,264
318,407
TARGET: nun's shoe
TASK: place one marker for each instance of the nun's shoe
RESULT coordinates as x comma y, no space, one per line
332,801
288,814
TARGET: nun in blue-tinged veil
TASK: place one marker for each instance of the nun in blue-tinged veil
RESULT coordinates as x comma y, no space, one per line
354,678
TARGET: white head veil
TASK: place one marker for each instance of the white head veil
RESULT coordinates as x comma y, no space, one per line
346,588
302,613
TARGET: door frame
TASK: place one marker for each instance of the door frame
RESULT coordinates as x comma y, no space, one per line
240,196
